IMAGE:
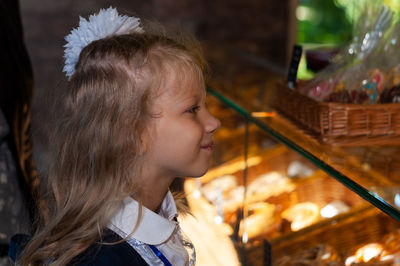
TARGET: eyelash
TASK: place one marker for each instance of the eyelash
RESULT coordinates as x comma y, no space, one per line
193,109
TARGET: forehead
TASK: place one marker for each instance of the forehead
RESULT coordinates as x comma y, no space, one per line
183,81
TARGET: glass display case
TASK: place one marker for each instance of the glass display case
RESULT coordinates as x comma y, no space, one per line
279,194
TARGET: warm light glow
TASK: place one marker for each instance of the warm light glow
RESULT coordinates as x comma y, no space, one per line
334,208
329,211
350,260
371,253
326,256
368,252
262,114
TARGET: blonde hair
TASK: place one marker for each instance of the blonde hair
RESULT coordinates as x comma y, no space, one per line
96,147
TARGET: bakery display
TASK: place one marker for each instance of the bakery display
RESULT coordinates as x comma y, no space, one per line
282,194
307,216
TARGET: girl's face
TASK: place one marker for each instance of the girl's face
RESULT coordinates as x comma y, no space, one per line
181,137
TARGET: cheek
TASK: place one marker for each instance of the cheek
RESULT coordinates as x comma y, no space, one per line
192,131
185,134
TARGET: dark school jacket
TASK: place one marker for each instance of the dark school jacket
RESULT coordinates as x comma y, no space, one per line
121,254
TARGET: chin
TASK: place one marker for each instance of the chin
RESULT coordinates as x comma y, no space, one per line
199,173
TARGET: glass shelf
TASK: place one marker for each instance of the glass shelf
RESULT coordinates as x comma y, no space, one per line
369,171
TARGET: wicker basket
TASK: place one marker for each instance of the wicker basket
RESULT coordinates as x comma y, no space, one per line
341,124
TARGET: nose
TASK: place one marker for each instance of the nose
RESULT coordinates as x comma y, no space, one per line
212,124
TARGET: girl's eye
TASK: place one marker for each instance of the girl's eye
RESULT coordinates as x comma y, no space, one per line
193,109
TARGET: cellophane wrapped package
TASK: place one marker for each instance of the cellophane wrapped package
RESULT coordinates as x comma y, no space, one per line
367,71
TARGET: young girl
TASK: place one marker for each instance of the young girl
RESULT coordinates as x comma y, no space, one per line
133,119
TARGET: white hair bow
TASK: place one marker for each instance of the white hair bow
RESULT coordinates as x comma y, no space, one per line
106,23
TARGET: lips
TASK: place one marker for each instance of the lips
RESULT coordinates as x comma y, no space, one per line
208,147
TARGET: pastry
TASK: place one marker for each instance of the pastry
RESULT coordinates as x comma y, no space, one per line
259,220
301,215
268,185
368,252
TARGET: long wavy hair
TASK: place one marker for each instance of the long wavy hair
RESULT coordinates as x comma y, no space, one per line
95,147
